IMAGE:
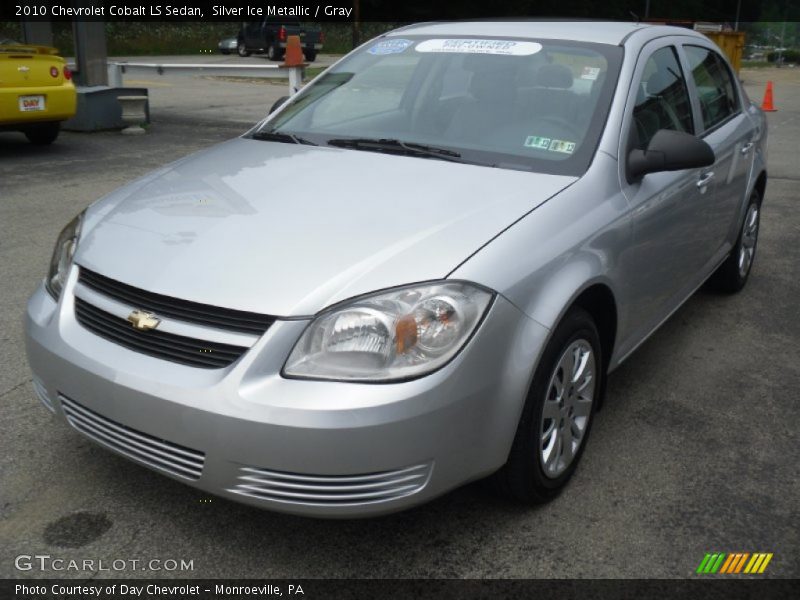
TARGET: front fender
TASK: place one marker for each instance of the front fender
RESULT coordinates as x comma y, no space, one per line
574,240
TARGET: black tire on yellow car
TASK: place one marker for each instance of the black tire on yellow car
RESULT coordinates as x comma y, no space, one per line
42,134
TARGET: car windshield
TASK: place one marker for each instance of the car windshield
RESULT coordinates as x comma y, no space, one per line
528,104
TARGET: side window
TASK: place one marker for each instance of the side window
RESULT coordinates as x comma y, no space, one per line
662,99
714,84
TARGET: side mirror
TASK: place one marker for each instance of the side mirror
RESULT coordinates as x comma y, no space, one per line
669,151
278,103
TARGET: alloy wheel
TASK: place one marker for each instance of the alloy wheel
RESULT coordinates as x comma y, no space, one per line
567,407
747,248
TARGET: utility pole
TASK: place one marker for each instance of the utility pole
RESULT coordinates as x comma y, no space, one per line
783,32
90,50
356,24
39,33
738,10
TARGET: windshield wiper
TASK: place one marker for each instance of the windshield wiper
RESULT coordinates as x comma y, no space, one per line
277,136
393,146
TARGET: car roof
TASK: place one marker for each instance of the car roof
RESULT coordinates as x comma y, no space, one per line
600,32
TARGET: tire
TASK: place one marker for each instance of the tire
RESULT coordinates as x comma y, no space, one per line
732,275
274,53
241,49
532,475
311,55
44,134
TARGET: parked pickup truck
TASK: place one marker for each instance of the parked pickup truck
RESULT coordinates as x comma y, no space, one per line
269,35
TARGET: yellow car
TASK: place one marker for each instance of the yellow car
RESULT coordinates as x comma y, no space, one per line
36,91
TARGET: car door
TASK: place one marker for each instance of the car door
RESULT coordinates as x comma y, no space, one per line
667,208
721,121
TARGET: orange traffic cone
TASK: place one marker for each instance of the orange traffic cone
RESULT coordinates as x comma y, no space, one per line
294,53
767,105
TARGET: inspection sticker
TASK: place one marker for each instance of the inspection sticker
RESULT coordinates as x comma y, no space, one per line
390,46
590,73
562,146
506,47
534,141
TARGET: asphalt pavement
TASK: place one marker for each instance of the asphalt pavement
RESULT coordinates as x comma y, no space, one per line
696,449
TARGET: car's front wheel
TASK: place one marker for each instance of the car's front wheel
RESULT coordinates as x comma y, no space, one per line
43,134
241,49
555,423
732,275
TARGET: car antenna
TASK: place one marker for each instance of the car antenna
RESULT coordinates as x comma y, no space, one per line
635,16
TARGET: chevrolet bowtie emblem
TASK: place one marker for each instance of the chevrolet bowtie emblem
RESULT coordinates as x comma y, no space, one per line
143,321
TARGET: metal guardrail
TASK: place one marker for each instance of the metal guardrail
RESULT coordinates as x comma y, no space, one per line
116,70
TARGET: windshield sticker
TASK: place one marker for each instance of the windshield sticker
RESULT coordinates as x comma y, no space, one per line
562,146
590,73
390,46
534,141
506,47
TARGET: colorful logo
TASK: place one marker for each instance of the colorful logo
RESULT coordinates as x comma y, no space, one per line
734,563
390,46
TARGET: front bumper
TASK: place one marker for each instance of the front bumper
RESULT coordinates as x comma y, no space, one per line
315,448
60,104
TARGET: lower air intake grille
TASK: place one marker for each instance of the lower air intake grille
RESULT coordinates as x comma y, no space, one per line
141,447
331,490
166,346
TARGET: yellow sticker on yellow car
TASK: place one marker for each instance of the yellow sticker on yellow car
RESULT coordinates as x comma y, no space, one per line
31,103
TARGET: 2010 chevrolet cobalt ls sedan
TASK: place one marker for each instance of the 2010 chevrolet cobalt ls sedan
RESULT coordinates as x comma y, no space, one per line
415,273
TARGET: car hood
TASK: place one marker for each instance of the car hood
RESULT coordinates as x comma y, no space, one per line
288,229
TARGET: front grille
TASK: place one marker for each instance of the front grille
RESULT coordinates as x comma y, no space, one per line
184,310
331,490
166,346
141,447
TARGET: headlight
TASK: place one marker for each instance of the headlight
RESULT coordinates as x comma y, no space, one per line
62,256
400,334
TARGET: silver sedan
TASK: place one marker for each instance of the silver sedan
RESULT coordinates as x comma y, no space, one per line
417,272
228,45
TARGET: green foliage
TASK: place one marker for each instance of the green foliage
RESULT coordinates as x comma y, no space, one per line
11,30
790,55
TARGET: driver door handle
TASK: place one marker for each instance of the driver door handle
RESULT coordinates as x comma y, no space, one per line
746,148
705,179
